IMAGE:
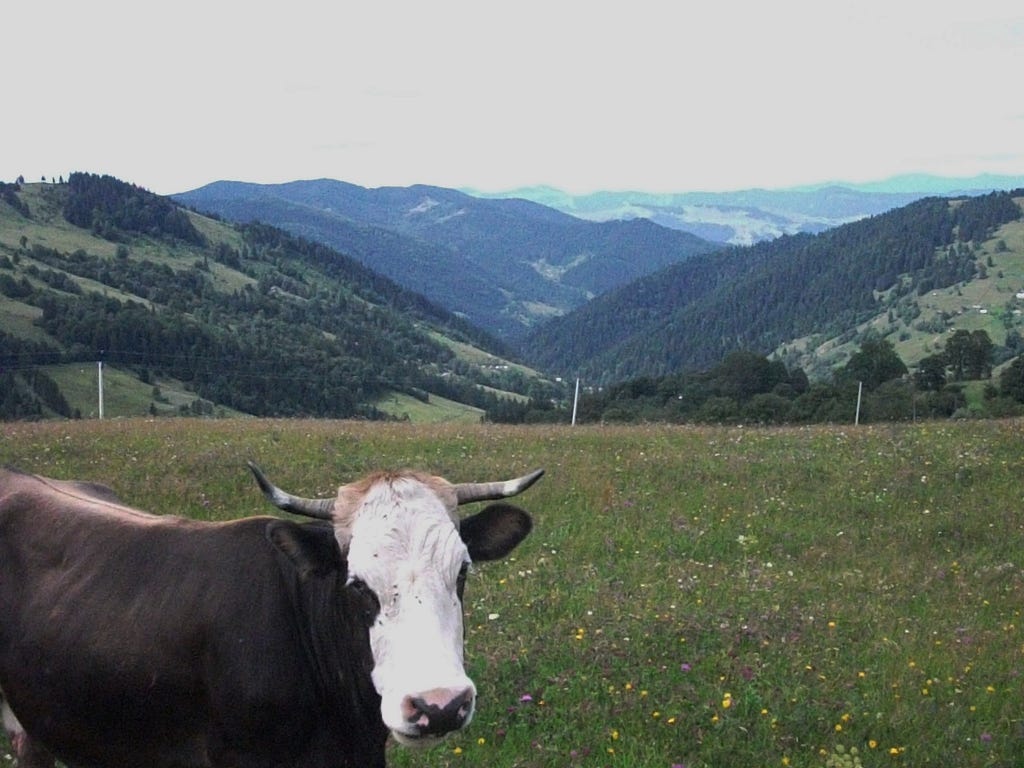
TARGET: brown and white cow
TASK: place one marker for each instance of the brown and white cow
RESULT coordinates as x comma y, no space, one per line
129,639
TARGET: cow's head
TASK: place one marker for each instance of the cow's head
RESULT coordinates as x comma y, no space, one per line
406,550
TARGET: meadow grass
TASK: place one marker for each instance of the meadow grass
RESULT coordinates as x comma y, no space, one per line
724,597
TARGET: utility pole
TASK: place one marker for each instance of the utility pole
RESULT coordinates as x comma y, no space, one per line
860,388
100,370
575,401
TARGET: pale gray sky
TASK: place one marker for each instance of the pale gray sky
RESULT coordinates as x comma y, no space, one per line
654,96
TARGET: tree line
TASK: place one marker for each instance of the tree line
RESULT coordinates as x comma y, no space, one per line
749,388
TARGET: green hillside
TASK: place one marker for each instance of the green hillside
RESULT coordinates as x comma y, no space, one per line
194,315
919,324
910,275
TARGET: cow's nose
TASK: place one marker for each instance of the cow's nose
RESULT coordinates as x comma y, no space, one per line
438,711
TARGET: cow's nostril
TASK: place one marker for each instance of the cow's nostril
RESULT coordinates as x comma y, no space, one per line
438,711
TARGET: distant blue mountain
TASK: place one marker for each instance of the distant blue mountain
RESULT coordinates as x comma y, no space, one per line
748,216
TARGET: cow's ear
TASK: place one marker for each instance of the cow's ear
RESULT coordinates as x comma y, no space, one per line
494,531
311,547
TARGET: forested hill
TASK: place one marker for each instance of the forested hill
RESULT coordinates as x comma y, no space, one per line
507,265
691,315
246,317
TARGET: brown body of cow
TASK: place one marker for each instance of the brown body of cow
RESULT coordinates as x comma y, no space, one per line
129,639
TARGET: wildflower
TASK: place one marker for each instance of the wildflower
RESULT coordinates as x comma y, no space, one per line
986,738
727,700
481,741
685,667
872,743
526,698
457,751
615,734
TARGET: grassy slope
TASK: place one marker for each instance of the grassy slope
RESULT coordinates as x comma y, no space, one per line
699,597
437,410
123,394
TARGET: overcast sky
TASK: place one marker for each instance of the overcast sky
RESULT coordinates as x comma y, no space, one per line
653,96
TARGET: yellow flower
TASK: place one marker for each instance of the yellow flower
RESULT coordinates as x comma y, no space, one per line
457,750
481,741
872,743
615,734
727,700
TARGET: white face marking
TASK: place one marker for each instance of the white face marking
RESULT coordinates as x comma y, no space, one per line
405,546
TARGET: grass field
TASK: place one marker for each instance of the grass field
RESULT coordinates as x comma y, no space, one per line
720,597
439,409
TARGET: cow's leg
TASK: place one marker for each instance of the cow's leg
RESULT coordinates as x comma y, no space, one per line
28,752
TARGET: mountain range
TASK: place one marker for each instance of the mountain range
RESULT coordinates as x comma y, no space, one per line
706,302
505,265
249,317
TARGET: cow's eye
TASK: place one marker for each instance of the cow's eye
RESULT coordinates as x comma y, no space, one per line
366,595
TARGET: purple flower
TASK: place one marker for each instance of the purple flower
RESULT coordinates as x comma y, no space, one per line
684,667
525,698
986,738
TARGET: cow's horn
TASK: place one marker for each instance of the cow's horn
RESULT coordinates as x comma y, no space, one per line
469,492
321,509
